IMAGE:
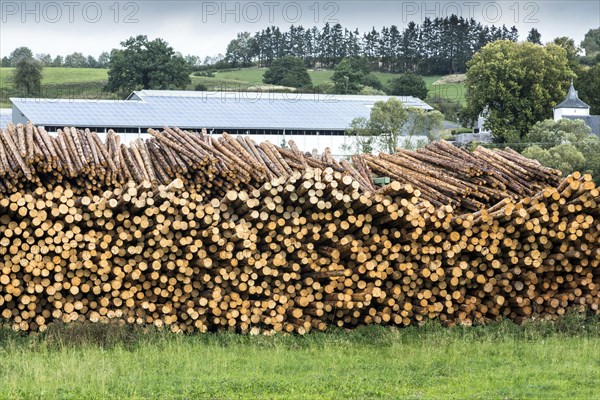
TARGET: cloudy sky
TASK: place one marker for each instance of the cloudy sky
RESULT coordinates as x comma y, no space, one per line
204,28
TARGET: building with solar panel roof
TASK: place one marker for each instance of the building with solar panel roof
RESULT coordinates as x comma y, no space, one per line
311,120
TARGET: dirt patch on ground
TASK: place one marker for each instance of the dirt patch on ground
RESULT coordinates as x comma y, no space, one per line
271,88
457,78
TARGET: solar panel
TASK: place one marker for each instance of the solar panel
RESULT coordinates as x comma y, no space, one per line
249,96
203,109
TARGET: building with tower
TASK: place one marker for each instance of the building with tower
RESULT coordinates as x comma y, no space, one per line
573,108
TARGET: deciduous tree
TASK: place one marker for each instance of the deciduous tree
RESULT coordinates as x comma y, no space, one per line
388,120
591,41
287,71
360,137
76,60
519,82
20,53
241,50
565,144
349,75
408,84
146,64
28,75
588,86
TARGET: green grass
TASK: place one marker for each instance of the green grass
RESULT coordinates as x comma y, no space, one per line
60,75
60,83
74,75
245,77
255,75
220,83
88,83
453,91
249,75
499,361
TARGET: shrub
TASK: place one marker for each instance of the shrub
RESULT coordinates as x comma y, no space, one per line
288,71
408,84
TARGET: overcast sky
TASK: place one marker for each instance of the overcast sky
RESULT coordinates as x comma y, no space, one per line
204,28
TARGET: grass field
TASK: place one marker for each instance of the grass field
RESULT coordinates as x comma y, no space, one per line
253,76
60,75
88,83
499,361
63,83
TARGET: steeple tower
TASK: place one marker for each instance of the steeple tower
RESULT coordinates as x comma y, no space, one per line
572,106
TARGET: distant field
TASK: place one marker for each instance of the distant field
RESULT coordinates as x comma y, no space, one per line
245,77
60,83
61,75
500,361
88,82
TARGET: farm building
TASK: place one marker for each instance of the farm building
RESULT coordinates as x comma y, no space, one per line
311,120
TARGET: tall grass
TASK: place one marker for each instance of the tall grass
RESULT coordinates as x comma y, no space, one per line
498,361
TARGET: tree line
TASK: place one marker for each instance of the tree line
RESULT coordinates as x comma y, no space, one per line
74,60
437,46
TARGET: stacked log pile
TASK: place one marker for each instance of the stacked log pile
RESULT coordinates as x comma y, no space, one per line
31,158
471,181
309,248
211,166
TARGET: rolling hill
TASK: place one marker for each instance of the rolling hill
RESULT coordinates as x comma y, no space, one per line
88,83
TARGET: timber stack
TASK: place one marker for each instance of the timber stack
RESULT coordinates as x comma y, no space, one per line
448,175
211,166
195,233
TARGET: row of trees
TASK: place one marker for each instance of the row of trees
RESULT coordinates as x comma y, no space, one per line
74,60
140,64
79,60
437,46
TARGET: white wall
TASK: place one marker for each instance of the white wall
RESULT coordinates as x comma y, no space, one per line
559,113
480,125
305,143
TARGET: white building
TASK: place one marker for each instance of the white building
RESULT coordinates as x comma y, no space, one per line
573,108
313,121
